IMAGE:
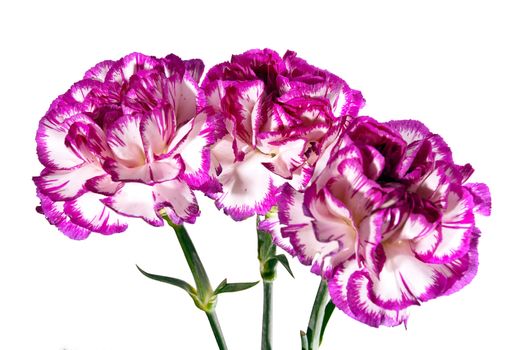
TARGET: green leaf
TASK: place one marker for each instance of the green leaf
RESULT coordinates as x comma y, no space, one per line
225,287
170,280
329,309
283,260
221,285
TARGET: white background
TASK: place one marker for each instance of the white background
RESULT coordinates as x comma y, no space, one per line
455,65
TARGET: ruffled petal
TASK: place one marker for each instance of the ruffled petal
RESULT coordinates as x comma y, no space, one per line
188,99
481,195
50,139
301,177
99,71
157,130
135,200
122,70
78,93
334,228
103,184
456,228
195,68
89,212
242,104
174,198
66,184
424,236
248,188
460,272
194,150
54,213
179,199
410,130
405,279
355,190
87,140
271,225
289,156
433,187
157,171
350,290
125,140
296,227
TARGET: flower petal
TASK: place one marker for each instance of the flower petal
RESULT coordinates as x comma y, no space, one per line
125,67
434,186
194,150
355,190
50,138
248,188
461,271
242,104
179,198
125,141
188,99
424,236
405,279
157,171
157,130
103,184
350,290
481,195
334,232
410,130
135,200
66,184
296,228
288,156
195,68
456,228
89,212
99,71
54,213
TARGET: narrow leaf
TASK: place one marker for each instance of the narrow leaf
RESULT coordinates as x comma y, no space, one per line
233,287
170,280
221,285
283,260
329,309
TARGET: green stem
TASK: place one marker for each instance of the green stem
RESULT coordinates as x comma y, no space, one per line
216,330
203,285
206,300
316,319
267,316
268,262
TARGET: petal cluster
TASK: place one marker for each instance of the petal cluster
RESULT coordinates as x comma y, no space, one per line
389,220
130,139
275,115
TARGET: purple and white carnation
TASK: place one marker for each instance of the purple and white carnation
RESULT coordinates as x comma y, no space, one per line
389,221
275,115
130,139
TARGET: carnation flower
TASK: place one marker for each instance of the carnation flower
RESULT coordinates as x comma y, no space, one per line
128,140
389,221
275,116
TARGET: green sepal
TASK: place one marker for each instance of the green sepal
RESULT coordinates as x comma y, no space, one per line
170,280
304,341
267,254
266,248
225,287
